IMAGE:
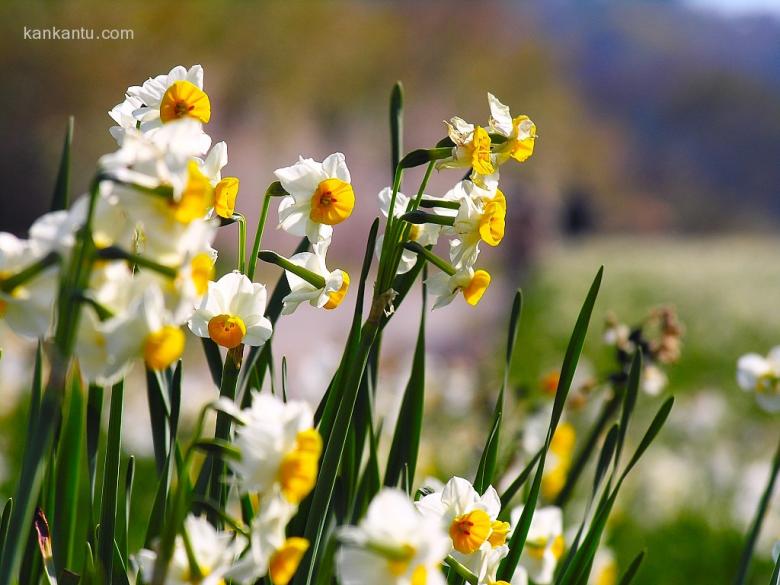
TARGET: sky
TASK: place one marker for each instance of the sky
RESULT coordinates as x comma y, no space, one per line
739,7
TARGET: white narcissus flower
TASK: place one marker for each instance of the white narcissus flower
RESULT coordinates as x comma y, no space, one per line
471,283
280,448
472,148
654,380
146,330
28,308
393,545
759,374
477,537
328,293
544,545
520,132
166,98
271,551
481,218
232,312
320,196
213,551
225,189
426,234
605,569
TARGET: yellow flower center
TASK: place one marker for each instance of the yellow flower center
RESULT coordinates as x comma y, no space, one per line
419,575
554,480
163,347
479,150
201,271
298,469
332,202
493,220
414,232
562,443
521,149
284,562
185,99
399,564
196,198
474,290
227,330
499,532
558,547
469,531
337,296
225,194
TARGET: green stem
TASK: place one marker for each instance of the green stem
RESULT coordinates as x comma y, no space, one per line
241,242
758,521
233,359
461,570
444,204
440,263
114,253
9,284
259,233
312,278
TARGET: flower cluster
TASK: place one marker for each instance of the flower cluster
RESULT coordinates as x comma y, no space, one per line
473,212
400,542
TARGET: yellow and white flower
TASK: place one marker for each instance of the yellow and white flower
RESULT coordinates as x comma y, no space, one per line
329,290
481,218
320,196
472,148
28,308
467,281
271,552
520,132
393,545
225,188
233,312
146,330
280,448
213,551
478,538
605,569
760,374
166,98
544,545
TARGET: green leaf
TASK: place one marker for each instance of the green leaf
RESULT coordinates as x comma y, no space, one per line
123,516
94,417
105,545
68,474
62,186
629,401
396,125
159,413
518,483
633,569
213,359
219,448
5,518
775,580
423,156
758,520
408,428
517,542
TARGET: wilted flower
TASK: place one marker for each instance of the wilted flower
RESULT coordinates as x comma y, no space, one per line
393,545
232,312
759,374
212,551
320,196
544,545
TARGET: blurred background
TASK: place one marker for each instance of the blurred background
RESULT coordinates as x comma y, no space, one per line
659,134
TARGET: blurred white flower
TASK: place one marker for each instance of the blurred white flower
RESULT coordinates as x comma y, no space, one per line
654,380
544,545
279,447
759,374
320,196
393,545
605,569
232,312
213,551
